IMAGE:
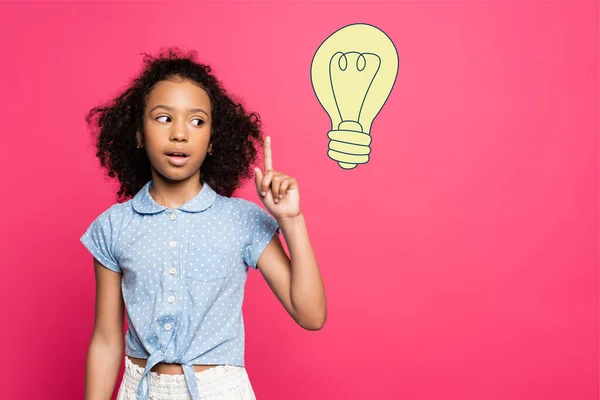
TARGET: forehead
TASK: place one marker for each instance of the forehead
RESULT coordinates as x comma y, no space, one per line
181,95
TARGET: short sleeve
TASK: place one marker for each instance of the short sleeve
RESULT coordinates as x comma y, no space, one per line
259,227
98,239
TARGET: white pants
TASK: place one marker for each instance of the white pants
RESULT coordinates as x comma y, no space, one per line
223,382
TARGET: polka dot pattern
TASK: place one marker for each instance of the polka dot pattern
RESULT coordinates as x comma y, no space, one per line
184,272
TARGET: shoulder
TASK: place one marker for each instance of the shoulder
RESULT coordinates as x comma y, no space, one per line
119,209
252,214
235,206
243,212
101,235
113,215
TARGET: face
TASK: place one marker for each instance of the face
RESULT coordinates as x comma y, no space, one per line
177,118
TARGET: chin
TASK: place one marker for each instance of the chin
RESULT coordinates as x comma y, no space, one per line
175,176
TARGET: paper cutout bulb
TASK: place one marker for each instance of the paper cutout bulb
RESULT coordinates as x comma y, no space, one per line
352,73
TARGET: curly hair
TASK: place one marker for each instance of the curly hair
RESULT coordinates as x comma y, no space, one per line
236,134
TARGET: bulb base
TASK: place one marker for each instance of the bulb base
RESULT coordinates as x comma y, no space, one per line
349,147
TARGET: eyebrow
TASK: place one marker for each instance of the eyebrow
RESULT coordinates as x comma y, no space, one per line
191,110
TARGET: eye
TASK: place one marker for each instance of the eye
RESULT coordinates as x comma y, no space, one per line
200,123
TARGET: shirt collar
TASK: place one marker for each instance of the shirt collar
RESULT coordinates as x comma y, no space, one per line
143,203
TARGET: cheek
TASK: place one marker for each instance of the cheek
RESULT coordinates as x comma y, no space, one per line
151,137
202,140
152,148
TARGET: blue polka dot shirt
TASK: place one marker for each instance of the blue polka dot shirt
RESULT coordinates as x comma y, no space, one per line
184,272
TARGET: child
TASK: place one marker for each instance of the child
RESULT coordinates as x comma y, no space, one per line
174,251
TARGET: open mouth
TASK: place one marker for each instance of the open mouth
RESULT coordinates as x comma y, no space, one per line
182,155
177,159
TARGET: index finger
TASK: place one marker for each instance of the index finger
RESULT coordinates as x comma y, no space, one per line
268,155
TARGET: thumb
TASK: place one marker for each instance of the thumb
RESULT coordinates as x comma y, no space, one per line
258,177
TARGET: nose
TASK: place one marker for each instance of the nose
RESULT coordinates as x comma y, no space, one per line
179,132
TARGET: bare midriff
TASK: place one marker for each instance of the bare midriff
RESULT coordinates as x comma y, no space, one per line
168,369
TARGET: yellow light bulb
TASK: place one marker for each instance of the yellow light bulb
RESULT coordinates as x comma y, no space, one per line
352,73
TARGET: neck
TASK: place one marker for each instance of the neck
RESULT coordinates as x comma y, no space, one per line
174,194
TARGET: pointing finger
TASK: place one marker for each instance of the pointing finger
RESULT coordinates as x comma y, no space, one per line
268,155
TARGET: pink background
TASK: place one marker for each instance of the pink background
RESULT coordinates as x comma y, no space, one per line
461,262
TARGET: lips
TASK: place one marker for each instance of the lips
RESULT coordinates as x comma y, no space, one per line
177,158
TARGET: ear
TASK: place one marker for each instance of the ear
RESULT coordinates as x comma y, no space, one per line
210,148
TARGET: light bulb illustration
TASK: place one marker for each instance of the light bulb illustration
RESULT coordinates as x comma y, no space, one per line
353,72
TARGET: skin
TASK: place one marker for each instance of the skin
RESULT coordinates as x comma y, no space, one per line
295,281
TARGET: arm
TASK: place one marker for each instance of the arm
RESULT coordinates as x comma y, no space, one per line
297,283
107,344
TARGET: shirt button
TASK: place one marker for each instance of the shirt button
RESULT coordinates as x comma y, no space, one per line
172,270
172,216
172,244
168,326
171,299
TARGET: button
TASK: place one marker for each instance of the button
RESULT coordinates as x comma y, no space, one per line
168,326
172,270
172,244
172,216
171,299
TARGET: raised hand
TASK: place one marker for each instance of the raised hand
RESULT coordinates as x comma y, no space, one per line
278,191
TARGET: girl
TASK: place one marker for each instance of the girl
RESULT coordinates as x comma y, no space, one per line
174,251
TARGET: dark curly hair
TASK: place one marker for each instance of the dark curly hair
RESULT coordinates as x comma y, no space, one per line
236,134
